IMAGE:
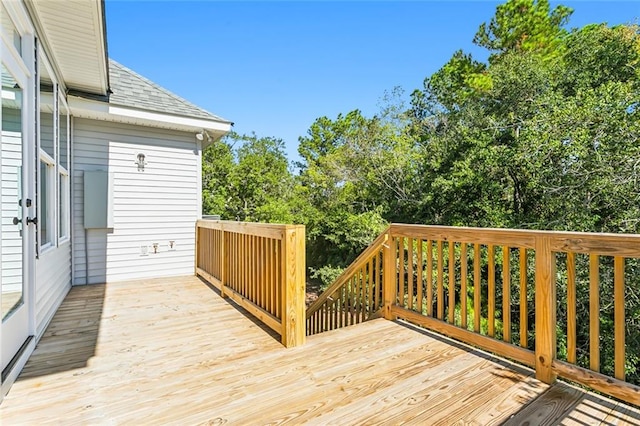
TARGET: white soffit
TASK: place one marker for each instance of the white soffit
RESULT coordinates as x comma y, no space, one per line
74,34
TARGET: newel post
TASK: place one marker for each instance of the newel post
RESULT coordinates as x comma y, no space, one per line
545,308
389,285
293,286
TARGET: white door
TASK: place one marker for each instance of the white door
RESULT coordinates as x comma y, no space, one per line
16,226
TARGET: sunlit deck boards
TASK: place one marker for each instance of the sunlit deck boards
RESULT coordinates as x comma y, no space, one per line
172,351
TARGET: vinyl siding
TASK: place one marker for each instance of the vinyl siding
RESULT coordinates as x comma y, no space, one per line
53,281
11,166
157,205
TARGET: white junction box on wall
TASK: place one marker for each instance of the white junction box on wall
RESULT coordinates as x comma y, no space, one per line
98,199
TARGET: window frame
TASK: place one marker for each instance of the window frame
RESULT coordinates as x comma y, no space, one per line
52,203
49,220
63,192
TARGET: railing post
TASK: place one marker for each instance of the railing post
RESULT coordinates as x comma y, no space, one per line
293,286
224,257
389,286
197,253
545,308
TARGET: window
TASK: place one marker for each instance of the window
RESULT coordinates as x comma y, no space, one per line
47,192
10,30
63,170
63,206
53,180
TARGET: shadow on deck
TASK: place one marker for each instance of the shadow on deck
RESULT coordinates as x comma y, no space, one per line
172,350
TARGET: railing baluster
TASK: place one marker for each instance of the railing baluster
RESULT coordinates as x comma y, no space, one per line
274,276
376,279
336,309
243,264
410,274
452,282
359,295
401,280
261,286
256,270
506,294
491,292
371,308
420,284
358,304
571,307
251,268
619,315
523,299
278,277
476,288
429,278
440,294
267,275
363,293
343,311
463,285
594,312
352,300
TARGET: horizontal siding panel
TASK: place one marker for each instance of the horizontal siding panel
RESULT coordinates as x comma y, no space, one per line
53,281
177,197
131,253
139,135
156,205
160,260
134,242
11,155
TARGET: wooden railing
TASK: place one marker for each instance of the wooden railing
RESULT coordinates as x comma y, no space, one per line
261,267
354,297
498,289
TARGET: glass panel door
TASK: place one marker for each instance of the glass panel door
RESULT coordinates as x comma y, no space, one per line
12,210
14,227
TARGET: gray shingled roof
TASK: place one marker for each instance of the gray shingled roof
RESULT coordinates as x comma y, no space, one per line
130,89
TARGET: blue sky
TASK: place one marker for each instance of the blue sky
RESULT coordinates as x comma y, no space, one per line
274,67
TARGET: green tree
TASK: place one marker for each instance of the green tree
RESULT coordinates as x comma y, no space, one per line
217,164
524,26
250,182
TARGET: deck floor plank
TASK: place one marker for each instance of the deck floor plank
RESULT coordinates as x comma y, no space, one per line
171,351
623,414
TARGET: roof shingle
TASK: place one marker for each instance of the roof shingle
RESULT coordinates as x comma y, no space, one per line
130,89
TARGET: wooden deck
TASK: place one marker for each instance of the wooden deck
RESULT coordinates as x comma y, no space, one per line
171,351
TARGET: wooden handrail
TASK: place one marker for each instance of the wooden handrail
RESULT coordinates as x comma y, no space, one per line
355,296
261,267
375,246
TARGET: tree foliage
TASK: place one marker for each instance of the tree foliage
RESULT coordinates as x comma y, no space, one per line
250,182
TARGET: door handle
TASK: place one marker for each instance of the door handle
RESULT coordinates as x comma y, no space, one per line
16,221
32,220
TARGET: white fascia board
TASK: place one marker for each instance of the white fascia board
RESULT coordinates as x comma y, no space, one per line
86,108
99,35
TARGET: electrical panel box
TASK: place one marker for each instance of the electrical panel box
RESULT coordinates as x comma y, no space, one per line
98,200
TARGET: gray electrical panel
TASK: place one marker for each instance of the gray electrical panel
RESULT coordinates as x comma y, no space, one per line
98,200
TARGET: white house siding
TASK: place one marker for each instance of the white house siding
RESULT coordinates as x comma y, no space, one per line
157,205
53,281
